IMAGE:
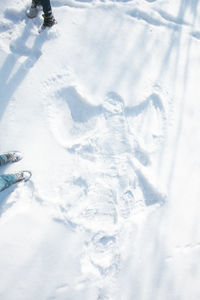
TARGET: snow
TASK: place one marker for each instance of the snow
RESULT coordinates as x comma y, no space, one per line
104,107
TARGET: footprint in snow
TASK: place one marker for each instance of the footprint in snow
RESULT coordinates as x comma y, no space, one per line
103,253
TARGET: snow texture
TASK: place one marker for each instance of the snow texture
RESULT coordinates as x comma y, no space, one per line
105,108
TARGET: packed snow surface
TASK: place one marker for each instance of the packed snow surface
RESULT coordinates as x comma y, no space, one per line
105,109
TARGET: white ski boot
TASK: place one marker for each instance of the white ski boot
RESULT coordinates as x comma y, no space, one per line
12,156
23,176
32,12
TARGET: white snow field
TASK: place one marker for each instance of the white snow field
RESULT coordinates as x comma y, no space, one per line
105,109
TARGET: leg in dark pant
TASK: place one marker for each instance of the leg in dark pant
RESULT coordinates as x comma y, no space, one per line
49,19
46,7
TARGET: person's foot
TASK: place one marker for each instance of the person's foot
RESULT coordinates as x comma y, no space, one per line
32,12
23,176
13,156
49,21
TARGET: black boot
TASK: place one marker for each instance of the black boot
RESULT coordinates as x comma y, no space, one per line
49,21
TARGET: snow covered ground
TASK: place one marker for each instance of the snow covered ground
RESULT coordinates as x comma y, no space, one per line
105,108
